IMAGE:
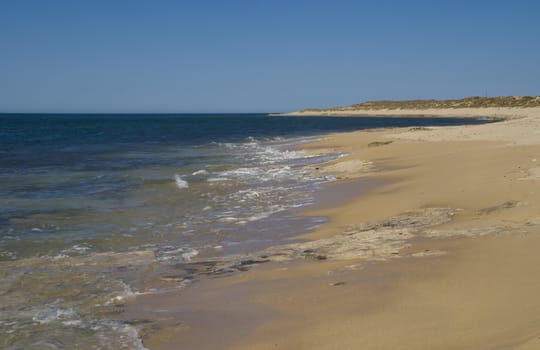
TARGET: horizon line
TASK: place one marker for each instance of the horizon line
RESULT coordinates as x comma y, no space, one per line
132,113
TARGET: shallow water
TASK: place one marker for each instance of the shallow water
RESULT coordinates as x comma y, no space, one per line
97,209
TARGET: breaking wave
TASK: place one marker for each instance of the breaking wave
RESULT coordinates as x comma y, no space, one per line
180,183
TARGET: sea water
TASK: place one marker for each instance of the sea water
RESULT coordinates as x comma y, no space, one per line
97,209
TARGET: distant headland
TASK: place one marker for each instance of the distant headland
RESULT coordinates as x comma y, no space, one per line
469,106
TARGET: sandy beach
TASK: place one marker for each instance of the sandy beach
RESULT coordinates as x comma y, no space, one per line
432,243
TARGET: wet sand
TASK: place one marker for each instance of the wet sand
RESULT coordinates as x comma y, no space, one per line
442,254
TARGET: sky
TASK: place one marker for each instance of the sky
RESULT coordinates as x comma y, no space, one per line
260,56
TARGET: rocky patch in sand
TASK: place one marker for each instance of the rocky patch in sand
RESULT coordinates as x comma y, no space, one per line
379,240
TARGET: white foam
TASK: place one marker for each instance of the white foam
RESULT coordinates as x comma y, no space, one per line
241,172
228,219
260,216
254,151
49,315
75,249
60,256
83,248
170,253
190,254
133,340
248,194
180,183
216,179
7,254
258,174
200,172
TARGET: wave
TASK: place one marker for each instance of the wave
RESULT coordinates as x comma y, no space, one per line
173,253
180,183
200,172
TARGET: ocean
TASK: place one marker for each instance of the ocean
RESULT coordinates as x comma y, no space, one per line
96,209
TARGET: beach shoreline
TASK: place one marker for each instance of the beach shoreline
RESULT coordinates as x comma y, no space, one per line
442,254
488,112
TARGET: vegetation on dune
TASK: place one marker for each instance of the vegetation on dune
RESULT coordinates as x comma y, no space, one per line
469,102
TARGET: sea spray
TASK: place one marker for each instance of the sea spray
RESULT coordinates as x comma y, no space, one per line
180,183
200,172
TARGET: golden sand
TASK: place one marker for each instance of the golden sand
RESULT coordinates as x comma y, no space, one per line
443,254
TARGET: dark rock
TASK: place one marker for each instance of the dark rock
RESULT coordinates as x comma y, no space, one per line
379,143
337,284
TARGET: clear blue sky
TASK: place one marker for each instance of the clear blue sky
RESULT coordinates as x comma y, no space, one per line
255,55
